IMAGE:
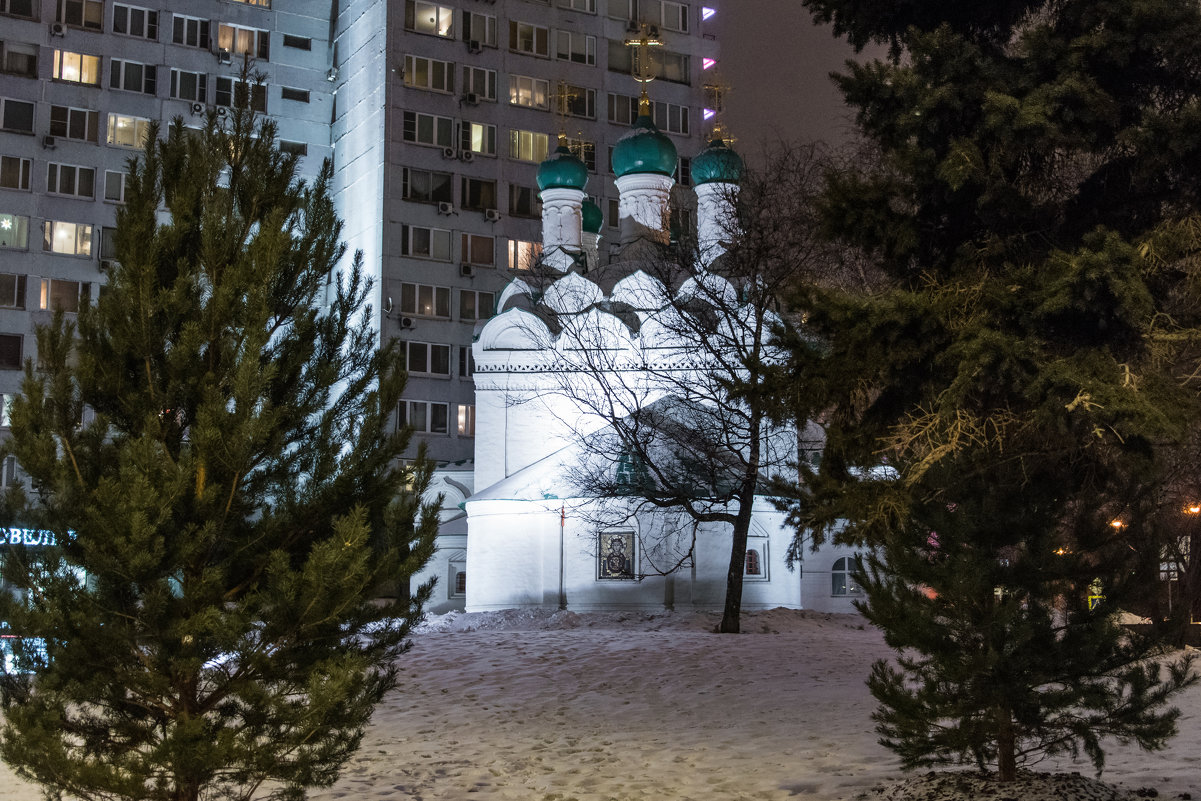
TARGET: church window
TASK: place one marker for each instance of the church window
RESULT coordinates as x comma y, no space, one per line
425,417
615,556
842,577
461,583
422,300
753,568
456,566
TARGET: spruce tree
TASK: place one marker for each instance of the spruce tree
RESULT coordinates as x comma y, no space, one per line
211,448
1027,354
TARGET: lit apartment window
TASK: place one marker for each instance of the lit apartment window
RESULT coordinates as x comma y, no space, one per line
70,180
76,68
431,18
18,8
523,255
66,238
135,21
529,92
578,101
74,123
577,47
427,358
523,201
422,300
16,115
244,41
14,172
474,305
18,58
479,138
12,291
425,243
261,3
232,93
527,38
466,428
479,82
127,131
587,6
478,250
14,231
65,296
528,145
428,129
427,186
478,195
190,31
81,13
425,417
132,76
675,16
115,185
191,86
429,73
479,28
10,351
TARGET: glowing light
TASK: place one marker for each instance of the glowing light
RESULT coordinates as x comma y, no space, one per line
707,12
708,114
1194,509
1116,523
6,224
707,63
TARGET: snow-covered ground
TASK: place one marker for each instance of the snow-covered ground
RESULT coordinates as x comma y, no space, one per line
529,706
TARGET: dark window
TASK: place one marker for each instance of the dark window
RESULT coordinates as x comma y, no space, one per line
289,93
10,351
299,42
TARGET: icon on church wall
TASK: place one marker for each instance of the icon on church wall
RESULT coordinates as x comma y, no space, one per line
616,555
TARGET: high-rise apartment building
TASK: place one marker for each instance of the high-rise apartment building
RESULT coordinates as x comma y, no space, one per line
436,115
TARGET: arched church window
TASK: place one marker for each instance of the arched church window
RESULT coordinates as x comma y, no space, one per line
753,567
842,577
461,583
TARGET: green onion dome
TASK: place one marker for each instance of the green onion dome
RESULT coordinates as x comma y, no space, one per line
717,163
644,150
593,218
562,170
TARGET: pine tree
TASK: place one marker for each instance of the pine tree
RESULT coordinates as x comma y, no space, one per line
211,449
1020,367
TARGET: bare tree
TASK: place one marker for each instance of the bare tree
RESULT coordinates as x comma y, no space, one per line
676,366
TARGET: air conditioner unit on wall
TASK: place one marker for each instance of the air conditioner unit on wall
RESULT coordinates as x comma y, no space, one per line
48,142
466,270
406,322
471,98
473,46
58,29
223,56
197,108
491,215
467,156
445,208
448,153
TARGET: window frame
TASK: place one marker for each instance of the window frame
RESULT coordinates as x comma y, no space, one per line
467,186
478,299
469,28
411,347
436,237
433,194
29,50
468,244
18,294
415,10
516,39
415,292
181,34
18,224
411,129
432,66
587,56
528,146
478,138
81,235
60,176
200,85
141,126
63,128
87,65
132,76
406,415
149,21
842,568
517,91
21,167
90,18
257,47
53,290
471,76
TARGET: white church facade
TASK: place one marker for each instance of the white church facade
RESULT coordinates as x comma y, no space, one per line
554,368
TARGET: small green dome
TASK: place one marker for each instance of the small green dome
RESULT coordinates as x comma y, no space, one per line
593,218
644,150
717,163
562,171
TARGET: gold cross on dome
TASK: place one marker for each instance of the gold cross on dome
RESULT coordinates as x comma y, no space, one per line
641,68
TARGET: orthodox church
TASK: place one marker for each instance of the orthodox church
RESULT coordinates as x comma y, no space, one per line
565,356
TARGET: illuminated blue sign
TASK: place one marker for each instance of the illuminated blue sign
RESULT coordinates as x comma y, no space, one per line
26,536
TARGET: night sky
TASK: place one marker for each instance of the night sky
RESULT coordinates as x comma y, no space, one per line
778,63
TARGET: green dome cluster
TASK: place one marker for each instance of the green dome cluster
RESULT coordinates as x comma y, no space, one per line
562,170
644,150
593,218
717,163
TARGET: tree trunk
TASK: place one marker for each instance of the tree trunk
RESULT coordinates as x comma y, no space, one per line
1006,747
732,614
